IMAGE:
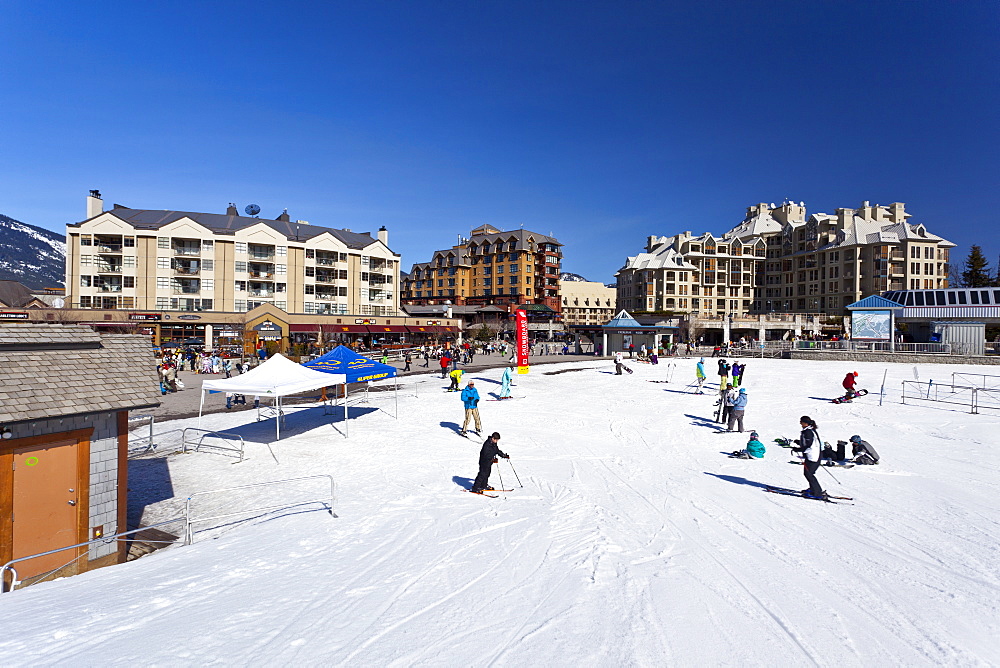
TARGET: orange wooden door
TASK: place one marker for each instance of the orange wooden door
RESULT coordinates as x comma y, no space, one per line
46,505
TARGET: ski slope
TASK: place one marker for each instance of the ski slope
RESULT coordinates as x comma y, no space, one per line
634,540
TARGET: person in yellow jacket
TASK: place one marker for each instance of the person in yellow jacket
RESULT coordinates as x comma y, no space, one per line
456,378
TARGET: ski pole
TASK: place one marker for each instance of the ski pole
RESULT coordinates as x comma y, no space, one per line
827,469
501,481
515,472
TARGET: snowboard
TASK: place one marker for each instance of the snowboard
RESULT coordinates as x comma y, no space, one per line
847,398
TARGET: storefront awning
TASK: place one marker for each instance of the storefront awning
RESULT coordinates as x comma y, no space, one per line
387,329
353,329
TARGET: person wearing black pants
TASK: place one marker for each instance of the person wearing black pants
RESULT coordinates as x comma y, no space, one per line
810,446
487,457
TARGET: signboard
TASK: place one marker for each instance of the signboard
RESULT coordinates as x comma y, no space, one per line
268,331
189,317
10,315
143,316
365,321
871,325
521,347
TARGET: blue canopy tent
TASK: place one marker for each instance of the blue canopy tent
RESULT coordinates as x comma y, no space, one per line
356,368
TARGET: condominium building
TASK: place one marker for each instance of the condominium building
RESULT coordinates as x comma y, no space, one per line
777,259
490,267
143,259
586,302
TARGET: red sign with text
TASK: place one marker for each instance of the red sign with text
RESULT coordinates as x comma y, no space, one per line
521,344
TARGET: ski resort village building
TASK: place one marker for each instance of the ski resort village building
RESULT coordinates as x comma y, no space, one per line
182,261
779,260
490,267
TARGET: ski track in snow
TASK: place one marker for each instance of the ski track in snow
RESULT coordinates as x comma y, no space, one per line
634,541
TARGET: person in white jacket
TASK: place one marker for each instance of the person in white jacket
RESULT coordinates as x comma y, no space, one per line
810,446
618,363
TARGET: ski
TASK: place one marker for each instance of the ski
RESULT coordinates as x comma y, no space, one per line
845,465
726,431
492,496
504,398
795,492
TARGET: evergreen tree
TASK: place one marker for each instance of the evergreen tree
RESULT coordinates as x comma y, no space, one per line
977,271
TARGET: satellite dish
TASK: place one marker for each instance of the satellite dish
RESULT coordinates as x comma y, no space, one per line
252,209
58,302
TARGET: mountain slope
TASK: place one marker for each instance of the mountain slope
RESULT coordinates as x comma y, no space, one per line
31,255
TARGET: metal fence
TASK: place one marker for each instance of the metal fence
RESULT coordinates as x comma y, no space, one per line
979,380
874,347
183,440
974,398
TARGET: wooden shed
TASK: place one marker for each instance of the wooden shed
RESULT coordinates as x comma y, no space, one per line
65,393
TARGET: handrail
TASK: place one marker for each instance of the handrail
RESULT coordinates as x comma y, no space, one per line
139,450
189,531
103,539
974,402
224,436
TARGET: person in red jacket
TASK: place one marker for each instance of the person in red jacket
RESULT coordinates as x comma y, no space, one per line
849,381
444,362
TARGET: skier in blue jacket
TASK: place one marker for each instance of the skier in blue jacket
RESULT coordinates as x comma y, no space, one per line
739,406
470,398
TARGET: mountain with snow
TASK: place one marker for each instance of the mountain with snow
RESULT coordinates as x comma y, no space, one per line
566,276
31,255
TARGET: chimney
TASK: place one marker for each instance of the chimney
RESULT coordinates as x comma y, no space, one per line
284,216
383,235
95,205
231,209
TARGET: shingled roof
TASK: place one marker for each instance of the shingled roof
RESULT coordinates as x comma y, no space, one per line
219,223
52,370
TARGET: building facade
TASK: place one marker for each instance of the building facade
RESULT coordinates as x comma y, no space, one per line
586,302
779,260
183,261
490,267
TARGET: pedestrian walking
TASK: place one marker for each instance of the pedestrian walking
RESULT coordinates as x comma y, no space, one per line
470,399
487,458
444,365
407,359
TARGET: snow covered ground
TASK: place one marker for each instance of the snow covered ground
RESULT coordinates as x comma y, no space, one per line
634,541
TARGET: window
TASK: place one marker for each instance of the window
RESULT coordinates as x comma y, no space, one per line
512,269
310,289
282,305
128,281
241,267
85,240
208,265
310,271
281,250
162,283
310,255
163,242
207,284
280,287
366,260
208,245
128,242
241,286
128,261
281,269
162,303
241,247
85,281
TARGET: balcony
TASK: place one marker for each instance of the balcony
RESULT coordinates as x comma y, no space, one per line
108,268
186,289
108,287
187,269
260,292
187,251
325,278
325,295
262,275
262,253
104,248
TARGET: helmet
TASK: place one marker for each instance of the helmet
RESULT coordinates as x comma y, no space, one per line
855,373
753,436
855,439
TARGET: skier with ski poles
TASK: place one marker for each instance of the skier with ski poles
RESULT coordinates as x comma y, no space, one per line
487,458
699,371
810,445
470,399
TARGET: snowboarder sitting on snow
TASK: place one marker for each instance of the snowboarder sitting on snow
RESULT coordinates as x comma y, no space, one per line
809,445
754,449
487,458
863,451
456,378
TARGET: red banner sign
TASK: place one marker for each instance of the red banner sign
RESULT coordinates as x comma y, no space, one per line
521,345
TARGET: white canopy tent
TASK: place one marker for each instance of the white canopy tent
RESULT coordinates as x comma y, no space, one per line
277,377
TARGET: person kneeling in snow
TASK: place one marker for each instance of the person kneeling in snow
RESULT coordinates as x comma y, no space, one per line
487,458
754,450
863,451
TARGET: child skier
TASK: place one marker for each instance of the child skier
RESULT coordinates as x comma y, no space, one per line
754,450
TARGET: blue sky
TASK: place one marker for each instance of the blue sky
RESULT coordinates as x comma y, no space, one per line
600,123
